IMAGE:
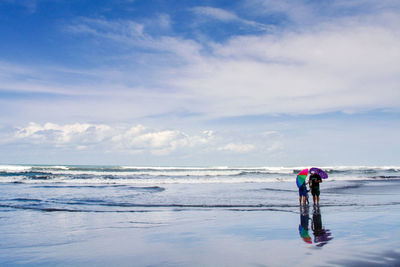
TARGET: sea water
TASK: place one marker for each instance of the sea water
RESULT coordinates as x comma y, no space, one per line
104,215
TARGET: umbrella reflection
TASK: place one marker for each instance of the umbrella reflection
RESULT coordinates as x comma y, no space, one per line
303,227
321,235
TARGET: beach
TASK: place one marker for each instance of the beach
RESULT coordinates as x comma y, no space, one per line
180,133
101,216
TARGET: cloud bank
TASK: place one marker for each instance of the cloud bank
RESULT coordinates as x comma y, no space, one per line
84,136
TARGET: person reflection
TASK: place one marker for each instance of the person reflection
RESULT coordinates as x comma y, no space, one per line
303,226
321,236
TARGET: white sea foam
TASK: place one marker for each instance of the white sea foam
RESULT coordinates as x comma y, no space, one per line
14,168
152,181
174,168
283,170
149,173
55,167
13,179
359,168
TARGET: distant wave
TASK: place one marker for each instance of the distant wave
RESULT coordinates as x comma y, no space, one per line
160,175
287,170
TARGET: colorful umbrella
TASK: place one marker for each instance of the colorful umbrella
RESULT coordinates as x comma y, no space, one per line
320,172
301,177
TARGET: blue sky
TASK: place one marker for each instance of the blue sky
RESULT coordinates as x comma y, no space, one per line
261,82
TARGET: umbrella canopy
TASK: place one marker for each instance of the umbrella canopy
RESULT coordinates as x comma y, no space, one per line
320,172
301,177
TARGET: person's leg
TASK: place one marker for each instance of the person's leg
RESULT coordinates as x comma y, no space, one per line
304,200
313,195
317,200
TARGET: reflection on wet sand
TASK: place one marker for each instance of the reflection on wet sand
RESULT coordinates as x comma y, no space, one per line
321,235
303,227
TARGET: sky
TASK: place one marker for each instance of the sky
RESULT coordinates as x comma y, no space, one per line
200,83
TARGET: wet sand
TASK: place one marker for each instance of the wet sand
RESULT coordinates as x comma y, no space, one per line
203,237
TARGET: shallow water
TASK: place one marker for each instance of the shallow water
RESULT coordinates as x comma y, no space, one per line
86,216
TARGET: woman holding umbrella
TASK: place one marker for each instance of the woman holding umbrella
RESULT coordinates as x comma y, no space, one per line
302,185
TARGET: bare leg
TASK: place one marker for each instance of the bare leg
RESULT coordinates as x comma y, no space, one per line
317,200
313,198
304,201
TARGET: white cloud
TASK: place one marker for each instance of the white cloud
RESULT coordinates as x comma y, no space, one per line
237,148
131,33
216,13
133,140
227,16
117,30
270,133
77,134
339,67
159,142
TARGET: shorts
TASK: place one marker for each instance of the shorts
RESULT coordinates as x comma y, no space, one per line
315,191
303,191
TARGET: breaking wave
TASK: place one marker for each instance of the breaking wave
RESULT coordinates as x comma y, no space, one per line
192,175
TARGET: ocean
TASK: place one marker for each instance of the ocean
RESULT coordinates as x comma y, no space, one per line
196,216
